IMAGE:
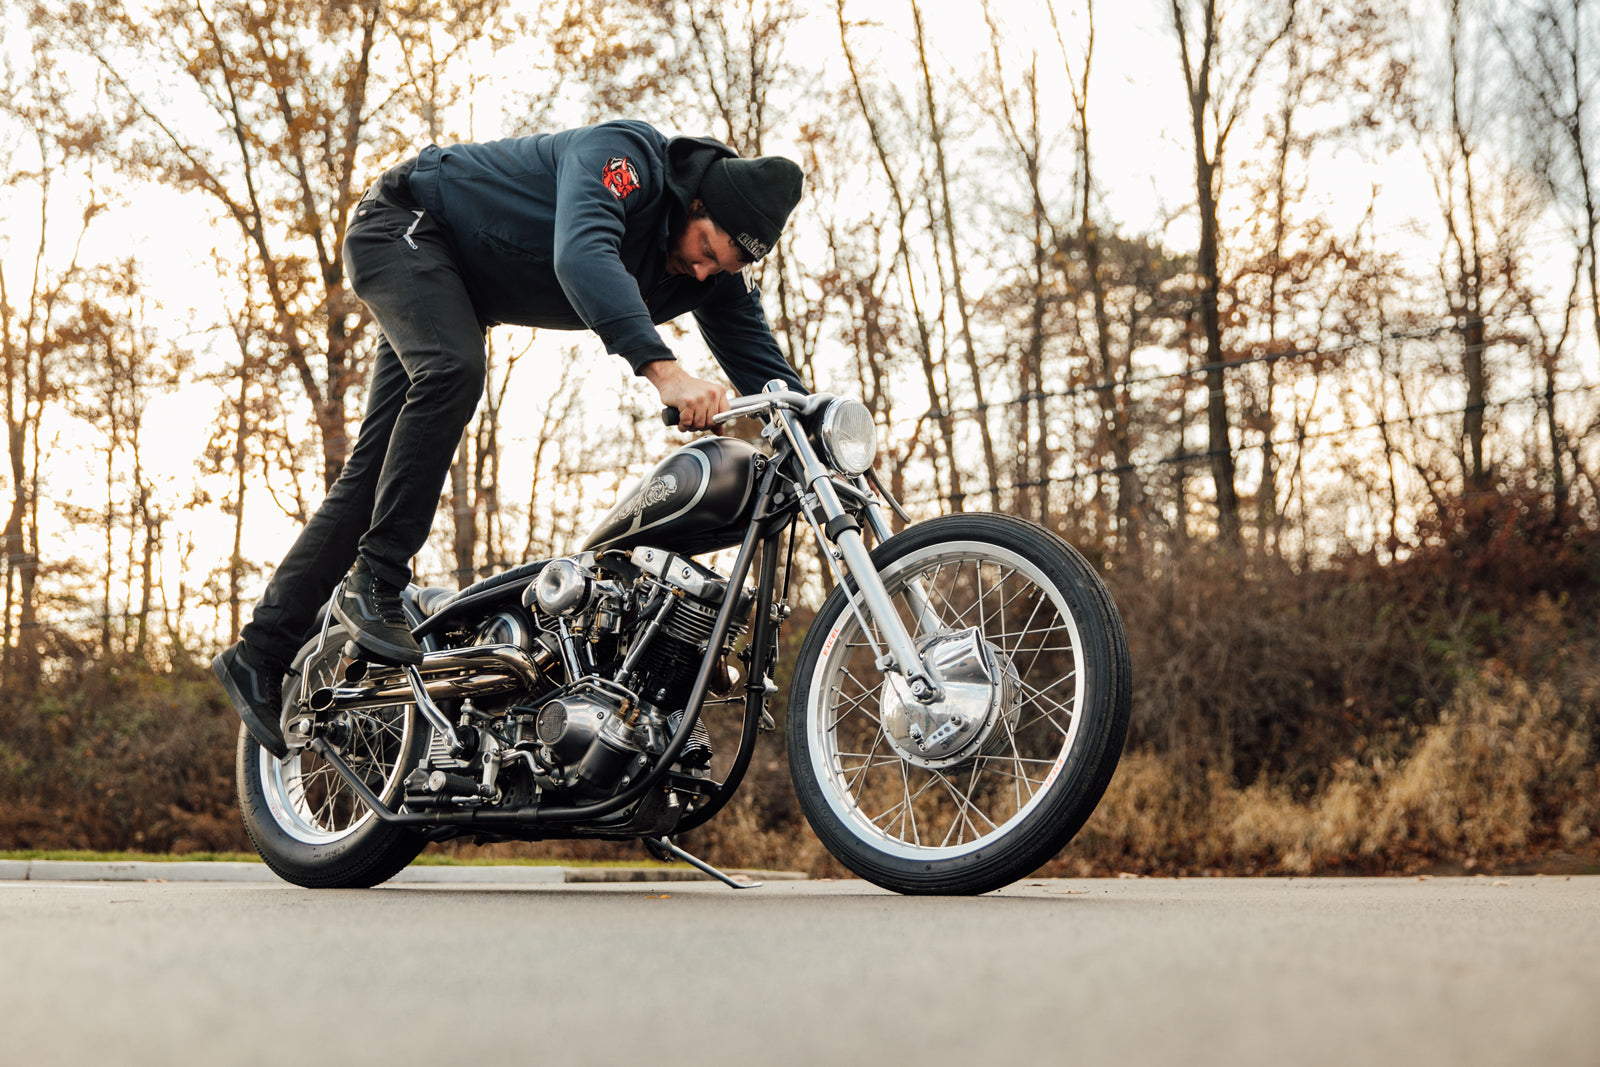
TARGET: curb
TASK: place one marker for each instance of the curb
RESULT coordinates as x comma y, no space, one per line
421,874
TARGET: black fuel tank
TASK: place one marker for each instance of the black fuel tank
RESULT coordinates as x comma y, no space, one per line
698,499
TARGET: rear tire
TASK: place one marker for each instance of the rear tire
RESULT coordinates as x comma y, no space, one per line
992,796
307,825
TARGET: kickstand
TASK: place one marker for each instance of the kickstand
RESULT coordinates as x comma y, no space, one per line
663,849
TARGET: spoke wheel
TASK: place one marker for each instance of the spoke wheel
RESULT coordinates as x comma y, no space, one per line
304,820
309,800
974,792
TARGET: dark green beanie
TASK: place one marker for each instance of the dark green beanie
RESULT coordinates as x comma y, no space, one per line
751,199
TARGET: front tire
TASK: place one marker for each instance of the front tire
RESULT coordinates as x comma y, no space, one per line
1024,622
304,821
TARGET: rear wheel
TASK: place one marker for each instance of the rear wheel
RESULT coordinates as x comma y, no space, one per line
306,823
972,793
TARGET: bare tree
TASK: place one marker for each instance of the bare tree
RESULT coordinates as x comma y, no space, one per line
47,144
1551,45
111,368
939,405
1020,119
301,114
246,437
1457,104
1465,268
946,213
1224,49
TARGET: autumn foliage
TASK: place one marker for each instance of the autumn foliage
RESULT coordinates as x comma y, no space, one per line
1434,715
1285,314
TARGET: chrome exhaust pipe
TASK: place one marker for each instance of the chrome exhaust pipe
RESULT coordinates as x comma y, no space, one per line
448,674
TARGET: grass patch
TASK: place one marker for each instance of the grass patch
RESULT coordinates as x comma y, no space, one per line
425,860
92,856
432,860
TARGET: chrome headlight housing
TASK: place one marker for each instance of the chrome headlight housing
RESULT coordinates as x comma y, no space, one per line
848,436
562,588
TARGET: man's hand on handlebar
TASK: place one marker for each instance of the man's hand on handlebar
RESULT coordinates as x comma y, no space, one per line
697,401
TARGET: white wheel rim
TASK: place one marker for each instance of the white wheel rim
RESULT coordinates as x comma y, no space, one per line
305,795
971,808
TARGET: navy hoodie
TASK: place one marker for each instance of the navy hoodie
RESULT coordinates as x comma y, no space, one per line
570,231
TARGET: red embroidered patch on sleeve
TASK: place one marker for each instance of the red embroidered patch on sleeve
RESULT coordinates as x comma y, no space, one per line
620,177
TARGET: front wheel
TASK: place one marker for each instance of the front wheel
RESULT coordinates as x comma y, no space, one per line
980,789
303,819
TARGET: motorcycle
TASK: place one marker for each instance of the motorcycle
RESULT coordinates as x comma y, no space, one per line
956,710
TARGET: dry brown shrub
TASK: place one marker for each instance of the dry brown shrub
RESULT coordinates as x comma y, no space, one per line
1509,769
1437,713
1250,669
1506,776
120,757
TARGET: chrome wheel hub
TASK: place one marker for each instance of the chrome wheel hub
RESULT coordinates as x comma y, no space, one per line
980,690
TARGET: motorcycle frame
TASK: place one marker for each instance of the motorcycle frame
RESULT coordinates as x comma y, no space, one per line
850,560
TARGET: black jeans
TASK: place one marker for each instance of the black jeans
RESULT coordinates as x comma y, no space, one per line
427,379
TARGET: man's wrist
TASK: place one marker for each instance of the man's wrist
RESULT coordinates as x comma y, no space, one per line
659,369
644,355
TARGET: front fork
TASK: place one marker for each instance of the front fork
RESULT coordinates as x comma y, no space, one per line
850,560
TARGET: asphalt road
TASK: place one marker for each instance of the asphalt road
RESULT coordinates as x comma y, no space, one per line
1329,971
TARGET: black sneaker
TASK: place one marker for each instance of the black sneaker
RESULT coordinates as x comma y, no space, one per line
370,609
256,688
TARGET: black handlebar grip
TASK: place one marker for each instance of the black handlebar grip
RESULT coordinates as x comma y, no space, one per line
669,416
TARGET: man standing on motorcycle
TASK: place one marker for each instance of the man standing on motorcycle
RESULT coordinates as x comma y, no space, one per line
612,228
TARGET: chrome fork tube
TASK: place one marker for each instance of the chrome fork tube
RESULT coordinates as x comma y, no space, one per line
857,563
917,593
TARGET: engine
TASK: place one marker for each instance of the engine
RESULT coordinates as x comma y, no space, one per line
623,634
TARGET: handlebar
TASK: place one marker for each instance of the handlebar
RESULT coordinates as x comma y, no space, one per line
742,406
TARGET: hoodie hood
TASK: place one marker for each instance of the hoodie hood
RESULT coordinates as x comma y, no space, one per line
688,159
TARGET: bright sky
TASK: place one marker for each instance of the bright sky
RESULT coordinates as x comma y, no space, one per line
1142,155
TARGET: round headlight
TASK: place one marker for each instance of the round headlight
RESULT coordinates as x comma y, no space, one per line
849,436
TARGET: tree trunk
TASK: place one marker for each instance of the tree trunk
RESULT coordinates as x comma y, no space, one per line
936,135
938,405
463,513
240,464
1469,279
1207,155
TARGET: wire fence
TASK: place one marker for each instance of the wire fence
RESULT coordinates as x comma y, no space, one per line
1322,354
